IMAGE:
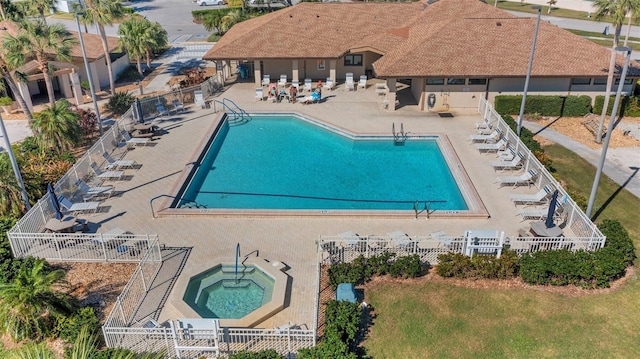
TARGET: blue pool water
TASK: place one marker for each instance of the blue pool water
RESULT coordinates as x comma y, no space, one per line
287,163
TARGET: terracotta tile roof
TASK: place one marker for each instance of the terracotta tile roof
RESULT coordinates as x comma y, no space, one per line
92,42
448,38
314,30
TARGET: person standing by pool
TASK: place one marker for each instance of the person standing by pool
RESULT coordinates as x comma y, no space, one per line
293,92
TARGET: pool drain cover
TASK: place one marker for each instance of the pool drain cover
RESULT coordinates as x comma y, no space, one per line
445,114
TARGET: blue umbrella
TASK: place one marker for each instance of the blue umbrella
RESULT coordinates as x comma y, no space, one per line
54,202
552,210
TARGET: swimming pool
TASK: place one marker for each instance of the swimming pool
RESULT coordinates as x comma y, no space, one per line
289,162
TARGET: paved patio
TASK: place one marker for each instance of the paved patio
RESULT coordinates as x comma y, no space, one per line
291,240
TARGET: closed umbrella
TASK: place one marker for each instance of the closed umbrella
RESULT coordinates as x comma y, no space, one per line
138,110
552,210
54,202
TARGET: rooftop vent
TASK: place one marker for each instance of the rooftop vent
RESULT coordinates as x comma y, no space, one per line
498,23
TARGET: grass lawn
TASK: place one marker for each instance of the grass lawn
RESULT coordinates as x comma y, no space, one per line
424,318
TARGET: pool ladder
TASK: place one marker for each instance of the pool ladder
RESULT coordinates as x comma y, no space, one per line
399,137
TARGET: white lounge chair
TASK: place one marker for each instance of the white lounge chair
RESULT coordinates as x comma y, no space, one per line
259,94
266,80
526,178
130,141
307,85
80,207
492,147
198,98
363,82
514,164
162,111
89,193
350,239
108,175
177,105
541,197
117,164
329,84
491,138
348,83
283,81
381,88
540,214
399,239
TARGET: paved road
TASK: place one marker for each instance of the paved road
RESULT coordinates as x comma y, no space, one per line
17,130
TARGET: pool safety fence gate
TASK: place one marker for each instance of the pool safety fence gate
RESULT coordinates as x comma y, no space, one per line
569,213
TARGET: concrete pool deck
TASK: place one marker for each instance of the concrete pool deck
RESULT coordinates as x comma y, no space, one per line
291,240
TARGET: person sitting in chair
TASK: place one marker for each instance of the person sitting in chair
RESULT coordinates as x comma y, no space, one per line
293,92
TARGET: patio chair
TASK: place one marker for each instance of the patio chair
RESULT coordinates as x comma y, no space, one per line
259,94
177,105
162,111
399,239
283,81
541,197
130,141
117,164
490,138
329,84
296,84
266,80
526,178
350,239
307,85
381,88
198,98
89,193
79,207
513,164
348,83
363,82
108,175
540,214
492,147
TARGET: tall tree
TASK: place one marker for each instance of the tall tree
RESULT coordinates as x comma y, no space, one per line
57,126
230,19
41,42
617,10
29,301
134,36
6,74
39,7
103,12
156,40
11,203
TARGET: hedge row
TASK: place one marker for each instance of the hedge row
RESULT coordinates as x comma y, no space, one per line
629,106
545,105
526,137
342,324
361,270
585,269
460,266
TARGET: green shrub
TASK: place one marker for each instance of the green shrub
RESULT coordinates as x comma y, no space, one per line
342,325
545,105
362,269
5,101
263,354
68,328
458,265
526,136
629,106
120,102
585,269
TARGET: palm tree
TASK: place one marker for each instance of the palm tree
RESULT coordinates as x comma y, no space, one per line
618,11
132,38
39,41
157,40
230,19
11,203
29,301
39,7
57,126
31,350
9,79
212,20
103,12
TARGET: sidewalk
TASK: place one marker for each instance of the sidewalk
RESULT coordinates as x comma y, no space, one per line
621,164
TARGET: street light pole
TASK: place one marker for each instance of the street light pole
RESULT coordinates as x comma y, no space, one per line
14,164
526,81
614,111
89,76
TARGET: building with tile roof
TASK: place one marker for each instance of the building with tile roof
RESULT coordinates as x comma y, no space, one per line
455,50
68,76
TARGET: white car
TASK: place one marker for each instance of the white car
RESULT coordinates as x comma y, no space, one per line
210,2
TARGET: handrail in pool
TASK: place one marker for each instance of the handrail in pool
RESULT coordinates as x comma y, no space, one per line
242,112
153,213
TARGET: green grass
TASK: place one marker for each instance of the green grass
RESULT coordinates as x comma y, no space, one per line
601,36
440,320
571,14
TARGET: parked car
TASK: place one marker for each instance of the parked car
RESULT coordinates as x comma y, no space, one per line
211,2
